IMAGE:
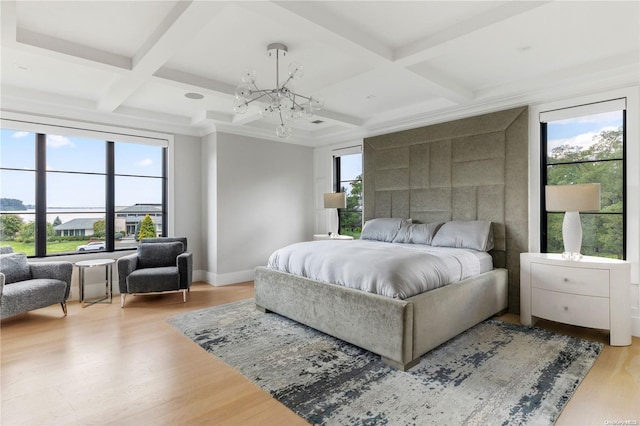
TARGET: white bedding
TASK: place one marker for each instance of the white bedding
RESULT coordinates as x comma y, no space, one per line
389,269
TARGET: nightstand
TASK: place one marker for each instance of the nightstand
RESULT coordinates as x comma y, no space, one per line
591,292
327,237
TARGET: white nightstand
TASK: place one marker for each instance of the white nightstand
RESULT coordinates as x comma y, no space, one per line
327,237
591,292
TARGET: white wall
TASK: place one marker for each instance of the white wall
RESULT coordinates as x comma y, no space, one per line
187,201
263,192
209,208
632,94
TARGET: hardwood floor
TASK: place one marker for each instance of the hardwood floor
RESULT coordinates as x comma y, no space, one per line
106,365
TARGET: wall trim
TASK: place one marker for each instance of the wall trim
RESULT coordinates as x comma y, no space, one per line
227,279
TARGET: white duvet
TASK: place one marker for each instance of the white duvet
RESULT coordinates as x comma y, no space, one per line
388,269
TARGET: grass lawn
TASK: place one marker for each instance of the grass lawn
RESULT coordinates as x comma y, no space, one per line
52,248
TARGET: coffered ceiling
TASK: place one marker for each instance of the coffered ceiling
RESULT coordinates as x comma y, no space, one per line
379,66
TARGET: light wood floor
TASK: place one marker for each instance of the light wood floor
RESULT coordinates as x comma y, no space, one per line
106,365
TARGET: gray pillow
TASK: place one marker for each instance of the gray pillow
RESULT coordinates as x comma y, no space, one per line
417,233
15,267
473,234
382,229
154,255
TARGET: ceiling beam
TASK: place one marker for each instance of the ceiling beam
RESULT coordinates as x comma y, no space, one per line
189,81
77,52
347,35
441,84
436,44
182,24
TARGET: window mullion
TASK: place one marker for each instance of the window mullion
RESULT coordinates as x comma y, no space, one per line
40,227
165,192
109,225
543,182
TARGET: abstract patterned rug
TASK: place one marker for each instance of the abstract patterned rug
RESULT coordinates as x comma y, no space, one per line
493,374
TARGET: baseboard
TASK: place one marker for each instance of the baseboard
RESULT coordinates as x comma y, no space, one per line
227,279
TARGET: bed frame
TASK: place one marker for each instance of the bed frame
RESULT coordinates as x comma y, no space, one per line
472,168
400,331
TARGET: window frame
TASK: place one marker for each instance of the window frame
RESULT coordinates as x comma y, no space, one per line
544,167
337,181
110,136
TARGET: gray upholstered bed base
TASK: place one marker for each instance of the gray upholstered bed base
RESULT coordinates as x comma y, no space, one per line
400,331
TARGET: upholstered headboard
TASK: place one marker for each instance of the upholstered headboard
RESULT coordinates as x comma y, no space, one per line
470,169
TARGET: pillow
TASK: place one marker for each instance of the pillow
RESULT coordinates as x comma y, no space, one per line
474,234
15,267
153,255
382,229
419,233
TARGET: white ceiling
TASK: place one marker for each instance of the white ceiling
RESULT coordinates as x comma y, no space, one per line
379,66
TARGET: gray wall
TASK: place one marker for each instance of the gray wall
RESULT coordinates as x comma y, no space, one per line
186,179
263,194
474,168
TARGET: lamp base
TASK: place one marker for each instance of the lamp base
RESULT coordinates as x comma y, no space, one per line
572,235
571,256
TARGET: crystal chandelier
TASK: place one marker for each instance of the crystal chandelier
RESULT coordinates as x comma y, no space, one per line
282,101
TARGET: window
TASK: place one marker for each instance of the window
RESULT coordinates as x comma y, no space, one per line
348,179
62,194
587,145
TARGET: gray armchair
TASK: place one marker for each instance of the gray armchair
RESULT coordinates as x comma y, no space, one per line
159,265
26,286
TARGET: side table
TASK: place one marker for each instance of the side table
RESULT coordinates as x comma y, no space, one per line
108,264
591,292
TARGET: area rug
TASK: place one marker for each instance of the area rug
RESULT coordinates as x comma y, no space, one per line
493,374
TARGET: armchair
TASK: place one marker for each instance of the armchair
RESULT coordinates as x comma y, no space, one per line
26,286
159,265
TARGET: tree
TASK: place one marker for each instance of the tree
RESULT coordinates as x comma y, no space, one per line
27,232
351,216
600,162
11,204
147,228
57,221
99,229
10,225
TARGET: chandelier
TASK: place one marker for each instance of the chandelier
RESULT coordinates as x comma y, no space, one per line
282,101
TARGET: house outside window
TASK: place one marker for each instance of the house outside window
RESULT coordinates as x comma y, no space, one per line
587,145
59,193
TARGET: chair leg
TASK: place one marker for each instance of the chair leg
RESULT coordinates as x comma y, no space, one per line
184,296
122,297
64,308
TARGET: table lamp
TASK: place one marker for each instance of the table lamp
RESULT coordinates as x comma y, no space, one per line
335,200
572,199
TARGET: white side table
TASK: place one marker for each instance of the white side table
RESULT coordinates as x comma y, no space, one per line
591,292
335,237
108,264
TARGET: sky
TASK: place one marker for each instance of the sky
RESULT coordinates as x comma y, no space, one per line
581,131
83,155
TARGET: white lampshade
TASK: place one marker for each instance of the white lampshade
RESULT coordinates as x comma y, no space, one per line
335,200
573,198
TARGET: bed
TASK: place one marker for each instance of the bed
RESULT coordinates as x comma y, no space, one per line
399,324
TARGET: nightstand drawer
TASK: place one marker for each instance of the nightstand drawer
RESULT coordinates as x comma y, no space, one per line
586,311
588,282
